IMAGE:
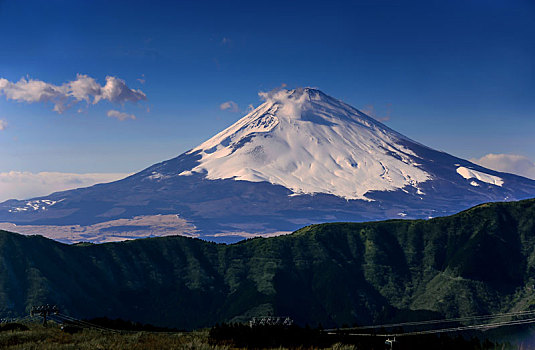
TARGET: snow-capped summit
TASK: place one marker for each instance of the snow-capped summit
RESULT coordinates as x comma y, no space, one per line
301,157
311,143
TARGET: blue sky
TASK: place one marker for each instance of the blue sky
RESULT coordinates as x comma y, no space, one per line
458,76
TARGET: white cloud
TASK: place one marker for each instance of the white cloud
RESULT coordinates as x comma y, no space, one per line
290,105
275,94
509,163
23,184
32,91
3,124
83,88
230,106
116,90
120,115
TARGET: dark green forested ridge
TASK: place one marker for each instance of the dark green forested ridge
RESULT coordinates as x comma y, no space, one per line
479,261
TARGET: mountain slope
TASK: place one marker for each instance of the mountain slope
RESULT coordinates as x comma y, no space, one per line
311,143
301,157
476,262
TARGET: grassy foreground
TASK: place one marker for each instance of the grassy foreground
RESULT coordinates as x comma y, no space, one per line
36,336
52,337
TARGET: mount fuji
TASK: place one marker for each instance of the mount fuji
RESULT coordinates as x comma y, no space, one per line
301,157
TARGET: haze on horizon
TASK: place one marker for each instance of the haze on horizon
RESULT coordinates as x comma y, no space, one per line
94,91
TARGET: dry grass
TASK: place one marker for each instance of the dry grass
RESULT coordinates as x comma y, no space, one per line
52,338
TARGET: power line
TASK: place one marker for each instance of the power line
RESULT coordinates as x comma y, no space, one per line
85,324
446,330
472,327
438,321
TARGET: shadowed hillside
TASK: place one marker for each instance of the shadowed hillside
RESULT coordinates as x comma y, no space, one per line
478,261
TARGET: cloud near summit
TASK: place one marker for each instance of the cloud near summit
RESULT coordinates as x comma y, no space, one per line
229,106
83,88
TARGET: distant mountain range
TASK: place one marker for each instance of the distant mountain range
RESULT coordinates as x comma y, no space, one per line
301,157
479,261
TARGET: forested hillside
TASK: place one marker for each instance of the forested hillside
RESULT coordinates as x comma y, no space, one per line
478,261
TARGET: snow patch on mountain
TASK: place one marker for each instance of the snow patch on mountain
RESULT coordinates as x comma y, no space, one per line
311,143
156,176
34,205
471,174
